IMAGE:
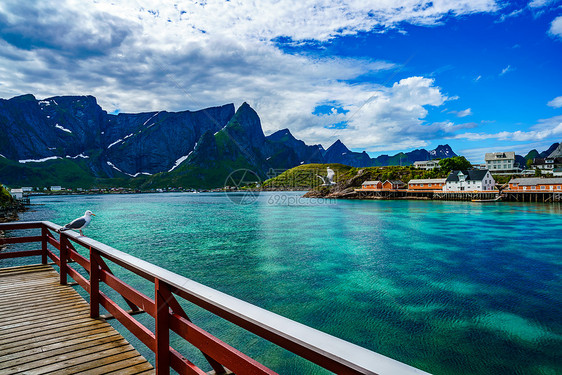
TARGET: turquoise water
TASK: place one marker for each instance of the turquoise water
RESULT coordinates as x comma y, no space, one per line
448,287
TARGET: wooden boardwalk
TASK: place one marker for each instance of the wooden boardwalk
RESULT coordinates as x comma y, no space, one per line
45,327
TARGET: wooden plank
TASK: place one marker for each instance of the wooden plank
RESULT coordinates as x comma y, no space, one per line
61,361
92,360
12,240
133,370
44,345
38,292
27,326
42,352
40,304
113,363
45,327
52,330
67,335
20,254
40,314
21,268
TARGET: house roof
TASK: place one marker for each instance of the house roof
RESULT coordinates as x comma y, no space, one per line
531,181
471,175
557,152
428,181
426,161
395,182
371,182
499,156
541,161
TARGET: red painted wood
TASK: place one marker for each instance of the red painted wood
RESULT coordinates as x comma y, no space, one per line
129,293
228,356
53,257
130,268
19,254
15,226
54,242
78,278
94,286
63,259
162,330
10,240
136,328
296,347
176,308
73,254
182,365
44,233
105,267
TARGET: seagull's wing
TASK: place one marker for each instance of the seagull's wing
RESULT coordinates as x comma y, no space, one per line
76,224
331,174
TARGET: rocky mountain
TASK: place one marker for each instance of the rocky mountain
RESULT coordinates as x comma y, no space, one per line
339,153
554,150
72,141
76,127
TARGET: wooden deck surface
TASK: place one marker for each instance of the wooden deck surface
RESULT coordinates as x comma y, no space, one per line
45,327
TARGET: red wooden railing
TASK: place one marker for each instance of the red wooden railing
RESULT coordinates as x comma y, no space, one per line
327,351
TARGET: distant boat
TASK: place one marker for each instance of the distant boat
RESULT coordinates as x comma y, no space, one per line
488,200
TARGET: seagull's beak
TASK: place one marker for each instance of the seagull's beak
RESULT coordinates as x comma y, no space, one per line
93,214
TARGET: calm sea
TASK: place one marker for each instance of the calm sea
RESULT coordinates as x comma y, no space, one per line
448,287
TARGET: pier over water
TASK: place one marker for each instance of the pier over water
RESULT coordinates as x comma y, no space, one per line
39,306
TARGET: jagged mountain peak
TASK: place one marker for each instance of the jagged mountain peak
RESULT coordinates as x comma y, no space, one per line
338,146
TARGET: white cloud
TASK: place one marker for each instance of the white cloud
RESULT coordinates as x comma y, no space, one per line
556,102
463,113
506,70
540,3
145,56
556,27
545,129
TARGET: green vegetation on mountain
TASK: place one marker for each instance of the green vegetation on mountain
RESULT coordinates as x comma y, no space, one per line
61,172
5,197
306,176
456,163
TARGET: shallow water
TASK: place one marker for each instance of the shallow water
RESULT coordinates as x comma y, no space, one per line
448,287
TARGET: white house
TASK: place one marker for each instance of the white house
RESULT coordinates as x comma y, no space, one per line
499,162
56,188
428,165
471,180
17,193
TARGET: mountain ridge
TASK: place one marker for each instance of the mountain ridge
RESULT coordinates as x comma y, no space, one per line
156,148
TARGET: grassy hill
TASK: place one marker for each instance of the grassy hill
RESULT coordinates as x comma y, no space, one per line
59,172
306,176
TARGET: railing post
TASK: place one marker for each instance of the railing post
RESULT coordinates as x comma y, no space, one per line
162,352
44,234
63,258
94,286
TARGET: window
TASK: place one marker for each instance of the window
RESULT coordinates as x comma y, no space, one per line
543,187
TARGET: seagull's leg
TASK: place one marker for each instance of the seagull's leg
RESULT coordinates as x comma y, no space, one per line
82,234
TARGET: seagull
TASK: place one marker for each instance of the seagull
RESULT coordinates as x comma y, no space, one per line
81,222
329,179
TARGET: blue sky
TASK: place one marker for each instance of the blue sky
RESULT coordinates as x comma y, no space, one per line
382,76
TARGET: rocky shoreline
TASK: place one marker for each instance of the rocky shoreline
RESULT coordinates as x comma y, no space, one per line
10,212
